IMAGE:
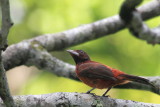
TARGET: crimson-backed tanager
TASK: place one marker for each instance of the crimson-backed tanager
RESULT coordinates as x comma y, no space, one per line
97,75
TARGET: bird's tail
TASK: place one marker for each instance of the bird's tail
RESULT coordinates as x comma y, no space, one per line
137,79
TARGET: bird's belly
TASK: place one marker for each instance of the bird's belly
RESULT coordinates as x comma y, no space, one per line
97,83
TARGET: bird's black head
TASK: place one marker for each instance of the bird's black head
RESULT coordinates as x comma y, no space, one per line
79,56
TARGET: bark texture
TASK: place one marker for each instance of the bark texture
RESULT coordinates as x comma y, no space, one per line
64,99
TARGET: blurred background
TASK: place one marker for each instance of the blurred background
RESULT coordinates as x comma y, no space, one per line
121,50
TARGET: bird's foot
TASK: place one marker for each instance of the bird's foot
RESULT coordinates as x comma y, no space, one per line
88,92
91,93
106,96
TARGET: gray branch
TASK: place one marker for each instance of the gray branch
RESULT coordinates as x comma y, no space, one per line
59,41
35,54
6,24
26,53
142,31
64,99
87,32
4,89
43,60
34,51
134,22
134,85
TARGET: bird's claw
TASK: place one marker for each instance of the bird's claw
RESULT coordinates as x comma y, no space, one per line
88,92
106,96
91,93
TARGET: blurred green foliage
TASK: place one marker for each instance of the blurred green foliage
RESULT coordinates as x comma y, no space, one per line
120,50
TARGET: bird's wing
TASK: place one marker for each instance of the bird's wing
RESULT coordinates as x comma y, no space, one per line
96,71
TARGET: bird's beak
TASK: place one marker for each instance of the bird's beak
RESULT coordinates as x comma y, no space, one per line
72,52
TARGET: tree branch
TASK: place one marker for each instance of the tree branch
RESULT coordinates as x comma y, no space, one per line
59,41
23,53
35,54
134,85
4,89
6,24
64,99
84,33
31,52
135,23
43,60
39,57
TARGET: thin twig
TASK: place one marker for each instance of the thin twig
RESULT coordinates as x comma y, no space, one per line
4,89
6,24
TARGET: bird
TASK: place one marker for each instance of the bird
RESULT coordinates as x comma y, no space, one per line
100,76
